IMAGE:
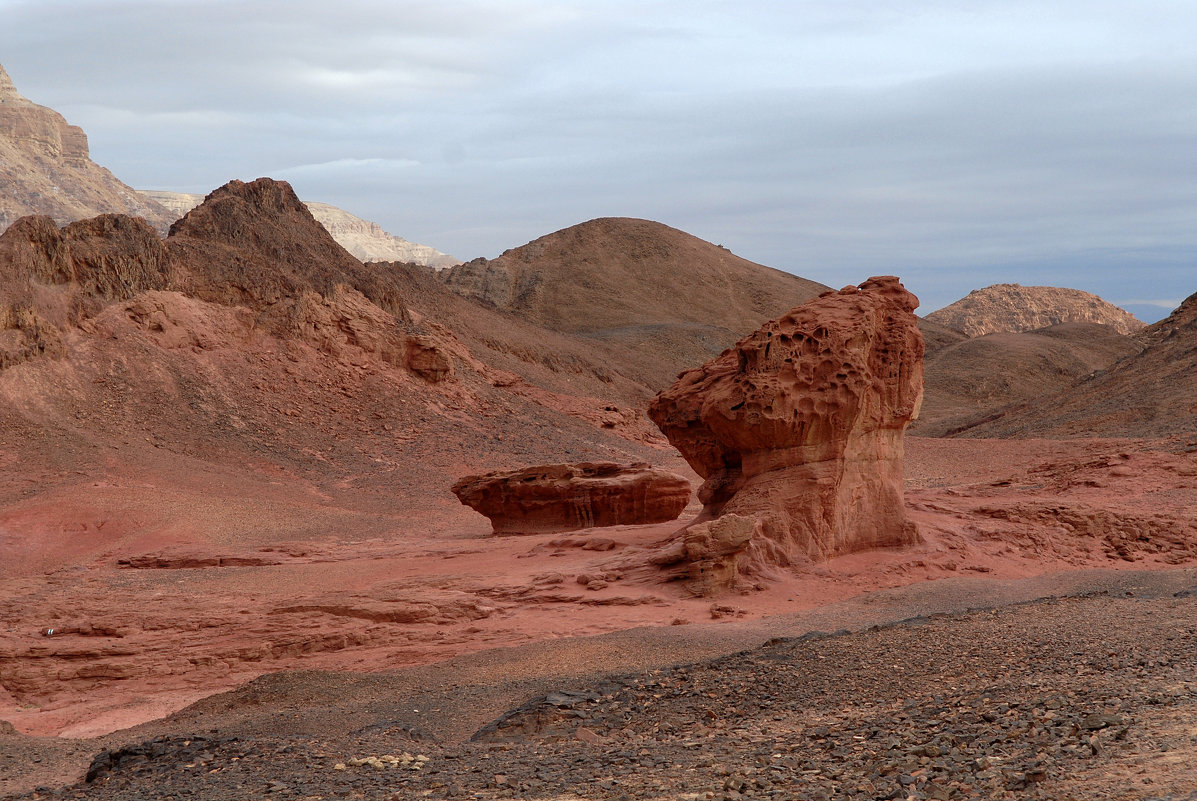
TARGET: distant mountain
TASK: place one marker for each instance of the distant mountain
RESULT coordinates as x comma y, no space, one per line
45,168
1152,393
1013,308
670,299
364,239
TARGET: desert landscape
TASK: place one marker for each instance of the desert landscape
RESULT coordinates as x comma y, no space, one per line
738,534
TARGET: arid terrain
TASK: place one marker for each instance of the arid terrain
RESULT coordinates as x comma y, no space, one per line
231,565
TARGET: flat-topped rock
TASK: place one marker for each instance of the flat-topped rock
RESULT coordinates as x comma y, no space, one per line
564,497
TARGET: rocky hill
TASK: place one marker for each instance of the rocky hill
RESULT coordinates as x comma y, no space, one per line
974,378
45,168
670,298
1147,394
1013,308
362,238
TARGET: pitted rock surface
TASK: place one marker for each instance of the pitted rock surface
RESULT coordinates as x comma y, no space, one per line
800,424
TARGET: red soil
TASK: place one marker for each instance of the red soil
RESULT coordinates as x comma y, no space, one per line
157,620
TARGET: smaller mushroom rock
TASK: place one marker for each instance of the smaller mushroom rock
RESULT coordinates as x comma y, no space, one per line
564,497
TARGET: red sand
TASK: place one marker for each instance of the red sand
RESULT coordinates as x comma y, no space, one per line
205,612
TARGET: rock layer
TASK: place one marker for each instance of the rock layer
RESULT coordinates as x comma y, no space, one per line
800,425
564,497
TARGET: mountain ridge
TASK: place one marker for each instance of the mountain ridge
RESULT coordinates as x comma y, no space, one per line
365,240
1013,308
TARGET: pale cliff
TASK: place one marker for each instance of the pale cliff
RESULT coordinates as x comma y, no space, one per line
45,168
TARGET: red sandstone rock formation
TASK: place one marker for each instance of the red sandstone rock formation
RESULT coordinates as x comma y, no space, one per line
800,425
52,278
563,497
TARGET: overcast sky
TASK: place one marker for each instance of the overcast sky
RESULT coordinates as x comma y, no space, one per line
956,143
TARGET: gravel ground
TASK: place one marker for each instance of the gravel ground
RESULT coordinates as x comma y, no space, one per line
1087,697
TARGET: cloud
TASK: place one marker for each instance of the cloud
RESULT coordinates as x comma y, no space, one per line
343,166
951,143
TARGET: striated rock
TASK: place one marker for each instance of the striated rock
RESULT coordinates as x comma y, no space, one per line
116,256
1014,308
369,242
563,497
800,425
428,358
45,168
713,551
346,318
110,257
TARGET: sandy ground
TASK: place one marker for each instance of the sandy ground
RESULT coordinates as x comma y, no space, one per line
133,633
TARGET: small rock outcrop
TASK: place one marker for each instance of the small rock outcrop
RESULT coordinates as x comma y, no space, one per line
1013,308
798,428
564,497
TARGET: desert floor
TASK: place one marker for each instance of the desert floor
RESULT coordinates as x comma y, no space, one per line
419,633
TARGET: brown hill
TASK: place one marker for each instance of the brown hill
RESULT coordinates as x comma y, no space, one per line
250,350
45,169
973,378
1011,307
936,337
1148,394
673,299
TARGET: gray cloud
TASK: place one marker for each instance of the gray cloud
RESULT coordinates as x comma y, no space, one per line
953,144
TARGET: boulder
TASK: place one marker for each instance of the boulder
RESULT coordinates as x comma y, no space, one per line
564,497
800,425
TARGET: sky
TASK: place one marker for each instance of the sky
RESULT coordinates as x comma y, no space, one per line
955,143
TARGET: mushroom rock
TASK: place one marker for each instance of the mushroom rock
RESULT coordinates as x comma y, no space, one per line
799,426
564,497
